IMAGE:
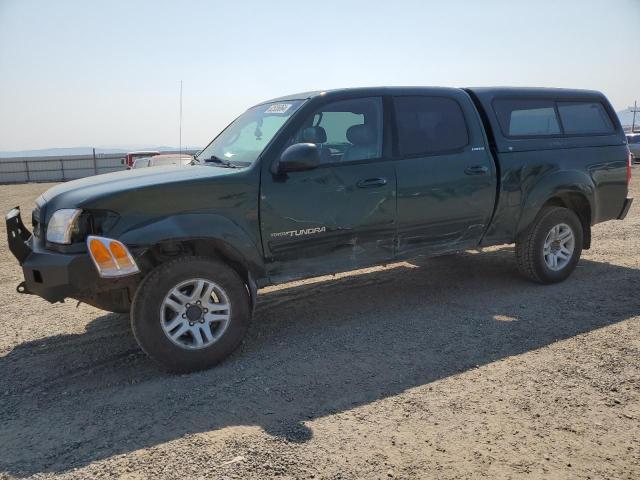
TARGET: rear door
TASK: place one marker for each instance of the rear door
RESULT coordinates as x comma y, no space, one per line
446,176
341,215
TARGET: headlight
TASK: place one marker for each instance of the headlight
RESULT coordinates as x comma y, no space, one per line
63,224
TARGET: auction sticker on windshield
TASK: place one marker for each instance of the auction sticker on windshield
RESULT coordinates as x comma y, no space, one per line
278,108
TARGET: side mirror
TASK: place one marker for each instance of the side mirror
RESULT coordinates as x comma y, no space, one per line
299,157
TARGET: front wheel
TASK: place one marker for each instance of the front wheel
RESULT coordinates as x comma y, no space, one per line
190,313
549,250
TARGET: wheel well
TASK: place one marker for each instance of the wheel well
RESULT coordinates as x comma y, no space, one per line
580,205
167,250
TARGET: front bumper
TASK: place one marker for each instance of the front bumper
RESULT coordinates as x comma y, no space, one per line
625,208
51,275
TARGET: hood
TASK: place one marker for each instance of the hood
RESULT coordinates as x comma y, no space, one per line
125,189
78,192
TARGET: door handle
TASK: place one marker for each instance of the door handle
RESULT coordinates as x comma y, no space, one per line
372,182
476,170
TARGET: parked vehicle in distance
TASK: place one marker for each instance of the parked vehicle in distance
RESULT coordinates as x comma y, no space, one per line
130,157
633,139
322,182
162,160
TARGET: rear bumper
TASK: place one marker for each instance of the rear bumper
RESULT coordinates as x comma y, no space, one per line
625,209
51,275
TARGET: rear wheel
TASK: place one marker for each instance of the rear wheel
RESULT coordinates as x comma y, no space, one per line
549,250
191,313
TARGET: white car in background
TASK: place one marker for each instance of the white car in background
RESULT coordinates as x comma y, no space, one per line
162,160
633,139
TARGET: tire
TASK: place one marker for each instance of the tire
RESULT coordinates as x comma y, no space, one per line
533,263
161,301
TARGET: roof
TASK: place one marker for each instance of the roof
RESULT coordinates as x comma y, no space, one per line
555,90
355,90
293,96
539,92
173,155
143,152
489,91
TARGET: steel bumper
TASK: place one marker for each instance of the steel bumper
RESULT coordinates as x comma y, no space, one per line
50,275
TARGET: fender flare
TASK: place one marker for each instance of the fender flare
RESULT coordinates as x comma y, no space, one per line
557,184
199,226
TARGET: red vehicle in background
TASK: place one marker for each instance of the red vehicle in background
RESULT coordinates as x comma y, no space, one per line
130,157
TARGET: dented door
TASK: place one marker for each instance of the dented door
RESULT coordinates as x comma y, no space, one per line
333,218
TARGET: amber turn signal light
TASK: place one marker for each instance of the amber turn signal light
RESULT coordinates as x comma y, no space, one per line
111,257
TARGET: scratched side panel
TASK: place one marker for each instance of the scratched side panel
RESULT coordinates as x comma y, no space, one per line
439,207
320,222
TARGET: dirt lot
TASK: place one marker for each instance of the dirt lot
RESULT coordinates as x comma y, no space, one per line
456,368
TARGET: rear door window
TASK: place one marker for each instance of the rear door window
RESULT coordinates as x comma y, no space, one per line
429,125
584,118
527,118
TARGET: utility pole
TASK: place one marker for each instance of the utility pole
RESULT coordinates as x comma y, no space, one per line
635,110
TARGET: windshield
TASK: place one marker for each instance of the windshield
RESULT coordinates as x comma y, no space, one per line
243,141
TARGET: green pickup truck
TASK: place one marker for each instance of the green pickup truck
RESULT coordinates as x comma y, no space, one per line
321,182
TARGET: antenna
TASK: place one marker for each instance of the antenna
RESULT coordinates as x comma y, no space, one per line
180,134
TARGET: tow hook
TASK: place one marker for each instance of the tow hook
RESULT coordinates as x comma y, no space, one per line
22,288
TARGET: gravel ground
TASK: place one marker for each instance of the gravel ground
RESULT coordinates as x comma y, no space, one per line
453,368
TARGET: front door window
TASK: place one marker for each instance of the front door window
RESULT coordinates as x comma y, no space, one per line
345,131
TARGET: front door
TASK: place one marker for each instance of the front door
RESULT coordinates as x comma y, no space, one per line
341,215
446,176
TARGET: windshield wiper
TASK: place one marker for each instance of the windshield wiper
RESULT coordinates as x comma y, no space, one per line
221,161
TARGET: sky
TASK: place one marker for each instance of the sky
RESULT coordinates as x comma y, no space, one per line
107,74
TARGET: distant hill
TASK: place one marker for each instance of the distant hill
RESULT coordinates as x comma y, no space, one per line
50,152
